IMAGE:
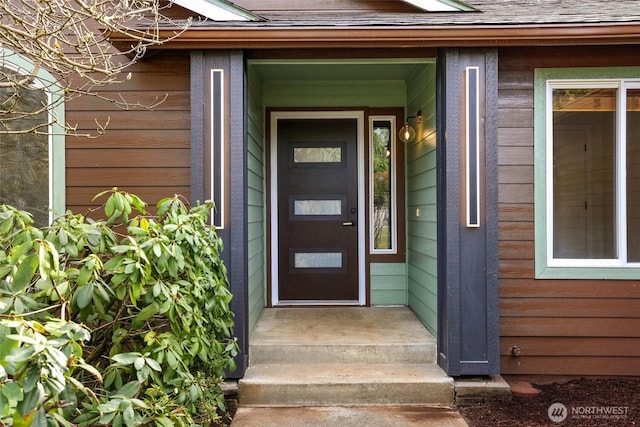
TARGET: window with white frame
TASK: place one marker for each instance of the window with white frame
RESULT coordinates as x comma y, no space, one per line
587,175
31,140
383,227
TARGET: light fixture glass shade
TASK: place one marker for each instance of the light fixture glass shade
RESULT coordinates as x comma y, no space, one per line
406,133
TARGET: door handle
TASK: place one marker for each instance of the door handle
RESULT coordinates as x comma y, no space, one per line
349,224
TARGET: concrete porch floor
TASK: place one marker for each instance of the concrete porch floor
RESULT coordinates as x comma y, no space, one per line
338,326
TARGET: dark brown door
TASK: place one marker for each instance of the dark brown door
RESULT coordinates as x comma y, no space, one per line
317,210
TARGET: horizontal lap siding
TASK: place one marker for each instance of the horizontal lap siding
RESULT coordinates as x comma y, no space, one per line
256,201
145,148
566,327
422,266
388,283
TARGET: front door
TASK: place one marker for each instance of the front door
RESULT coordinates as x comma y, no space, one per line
317,210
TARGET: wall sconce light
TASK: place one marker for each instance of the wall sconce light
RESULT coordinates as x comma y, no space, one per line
407,133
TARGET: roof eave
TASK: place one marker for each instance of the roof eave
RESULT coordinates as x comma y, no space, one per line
399,37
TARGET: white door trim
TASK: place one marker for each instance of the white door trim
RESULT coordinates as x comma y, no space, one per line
359,116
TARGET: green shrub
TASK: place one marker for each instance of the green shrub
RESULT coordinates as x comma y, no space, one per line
122,321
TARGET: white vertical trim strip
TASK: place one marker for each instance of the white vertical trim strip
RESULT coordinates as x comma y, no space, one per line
219,114
621,173
472,139
275,299
362,294
50,147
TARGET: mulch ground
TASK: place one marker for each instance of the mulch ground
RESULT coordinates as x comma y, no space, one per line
579,403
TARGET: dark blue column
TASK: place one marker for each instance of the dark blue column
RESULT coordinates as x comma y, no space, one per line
468,294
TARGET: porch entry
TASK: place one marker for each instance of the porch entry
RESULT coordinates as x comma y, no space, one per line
316,208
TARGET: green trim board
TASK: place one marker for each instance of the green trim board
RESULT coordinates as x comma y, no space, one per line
542,79
55,92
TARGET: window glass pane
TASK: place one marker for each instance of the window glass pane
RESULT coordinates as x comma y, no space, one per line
24,157
584,138
633,175
317,154
317,207
382,220
318,260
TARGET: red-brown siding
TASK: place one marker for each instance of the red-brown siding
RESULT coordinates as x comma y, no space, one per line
144,151
567,327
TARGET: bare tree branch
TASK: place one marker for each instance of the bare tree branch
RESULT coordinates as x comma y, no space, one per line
69,39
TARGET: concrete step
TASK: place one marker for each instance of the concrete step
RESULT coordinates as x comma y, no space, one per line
344,335
352,416
344,385
345,353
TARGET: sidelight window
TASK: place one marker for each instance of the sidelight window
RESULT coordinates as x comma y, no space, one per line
383,181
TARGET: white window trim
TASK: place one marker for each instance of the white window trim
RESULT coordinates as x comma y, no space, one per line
56,131
547,266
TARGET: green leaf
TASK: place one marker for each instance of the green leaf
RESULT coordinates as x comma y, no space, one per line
6,226
139,363
129,416
164,422
87,419
84,276
143,374
19,251
33,419
147,312
126,358
121,292
117,421
12,391
4,407
63,237
129,389
157,250
30,401
153,364
25,273
172,360
89,368
109,206
107,417
85,295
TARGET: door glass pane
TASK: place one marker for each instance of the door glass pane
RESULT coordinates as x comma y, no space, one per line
24,157
318,260
633,175
382,212
317,154
317,207
584,139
